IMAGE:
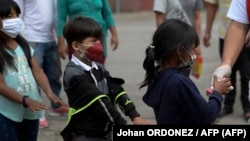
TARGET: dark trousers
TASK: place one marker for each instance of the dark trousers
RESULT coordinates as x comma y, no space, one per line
27,130
242,65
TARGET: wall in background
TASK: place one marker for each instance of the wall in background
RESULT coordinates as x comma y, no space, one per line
131,5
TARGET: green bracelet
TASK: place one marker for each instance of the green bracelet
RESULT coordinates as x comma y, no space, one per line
24,101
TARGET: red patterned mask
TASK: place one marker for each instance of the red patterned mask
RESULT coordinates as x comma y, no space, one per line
95,52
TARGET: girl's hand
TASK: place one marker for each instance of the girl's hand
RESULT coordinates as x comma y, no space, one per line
55,99
35,106
223,86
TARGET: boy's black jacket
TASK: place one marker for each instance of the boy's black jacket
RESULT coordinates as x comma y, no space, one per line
94,102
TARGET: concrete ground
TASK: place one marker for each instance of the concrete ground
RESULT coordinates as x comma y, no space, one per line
135,31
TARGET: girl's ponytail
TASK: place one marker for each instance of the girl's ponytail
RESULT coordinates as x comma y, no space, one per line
149,65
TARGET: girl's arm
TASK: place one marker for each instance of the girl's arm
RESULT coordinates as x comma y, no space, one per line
9,93
43,82
14,96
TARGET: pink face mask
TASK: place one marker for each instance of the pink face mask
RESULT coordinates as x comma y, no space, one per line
95,52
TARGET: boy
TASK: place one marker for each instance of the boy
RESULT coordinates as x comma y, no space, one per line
92,92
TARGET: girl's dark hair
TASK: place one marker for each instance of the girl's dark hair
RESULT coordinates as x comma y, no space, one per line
170,35
5,57
79,28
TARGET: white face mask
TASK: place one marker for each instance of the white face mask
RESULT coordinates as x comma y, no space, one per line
12,27
187,64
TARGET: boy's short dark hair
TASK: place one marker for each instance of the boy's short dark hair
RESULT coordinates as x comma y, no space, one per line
79,28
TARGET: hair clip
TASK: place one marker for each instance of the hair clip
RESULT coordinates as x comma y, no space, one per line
151,46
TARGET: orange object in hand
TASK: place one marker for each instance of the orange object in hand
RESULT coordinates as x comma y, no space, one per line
197,67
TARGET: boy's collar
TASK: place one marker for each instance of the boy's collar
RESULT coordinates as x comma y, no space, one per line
83,65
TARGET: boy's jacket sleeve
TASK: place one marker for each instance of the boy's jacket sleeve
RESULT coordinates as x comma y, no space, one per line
120,98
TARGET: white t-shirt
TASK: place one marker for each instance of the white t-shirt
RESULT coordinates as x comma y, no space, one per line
238,11
39,17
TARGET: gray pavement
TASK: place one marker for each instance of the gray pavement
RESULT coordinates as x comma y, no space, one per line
135,31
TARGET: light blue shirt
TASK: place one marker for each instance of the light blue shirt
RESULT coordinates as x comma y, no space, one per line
24,83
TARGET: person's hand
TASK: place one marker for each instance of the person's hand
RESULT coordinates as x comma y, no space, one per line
55,99
221,72
114,42
141,121
35,106
206,40
197,51
62,48
223,85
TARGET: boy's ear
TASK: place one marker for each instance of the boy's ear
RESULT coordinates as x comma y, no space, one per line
74,46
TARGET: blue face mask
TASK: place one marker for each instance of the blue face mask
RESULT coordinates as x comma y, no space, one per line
187,64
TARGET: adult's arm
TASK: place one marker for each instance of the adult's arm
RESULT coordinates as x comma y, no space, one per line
160,18
114,38
236,33
234,42
110,22
211,12
62,14
197,26
159,8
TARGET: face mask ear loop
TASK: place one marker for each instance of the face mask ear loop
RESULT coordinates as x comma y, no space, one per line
193,57
179,53
82,53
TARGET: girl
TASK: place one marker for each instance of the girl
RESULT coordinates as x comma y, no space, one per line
185,10
173,96
20,102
